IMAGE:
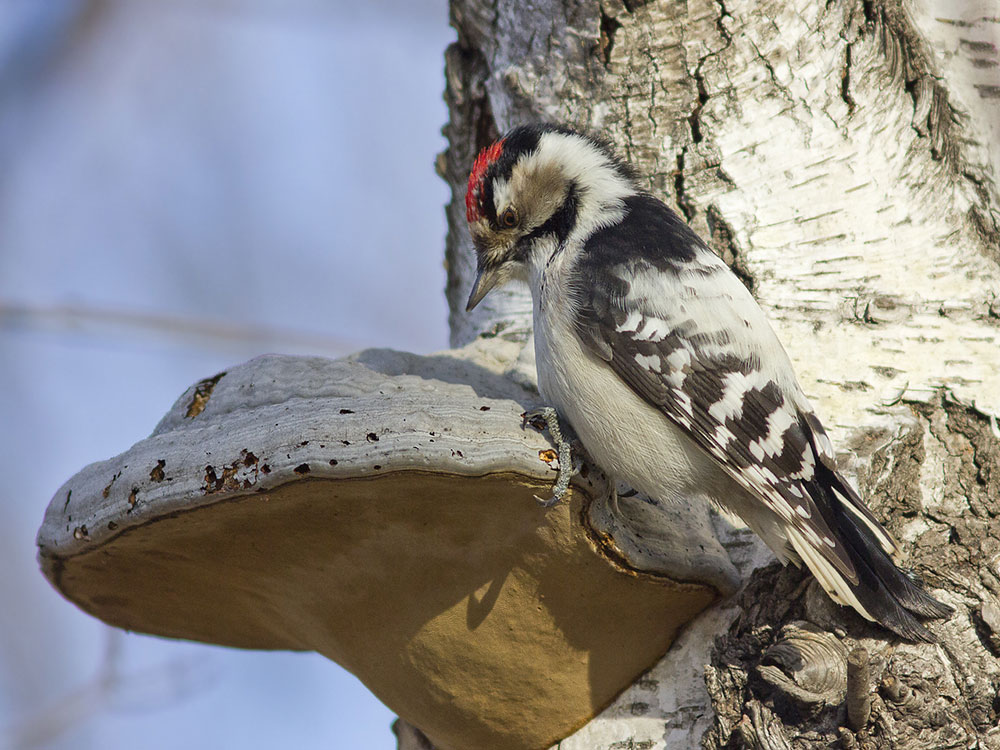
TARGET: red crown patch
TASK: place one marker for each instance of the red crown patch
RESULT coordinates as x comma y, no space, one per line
486,157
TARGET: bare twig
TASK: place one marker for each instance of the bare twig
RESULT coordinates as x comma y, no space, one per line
859,704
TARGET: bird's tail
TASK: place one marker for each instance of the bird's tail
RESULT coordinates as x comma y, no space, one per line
883,592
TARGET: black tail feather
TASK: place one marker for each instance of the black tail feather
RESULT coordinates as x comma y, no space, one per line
894,597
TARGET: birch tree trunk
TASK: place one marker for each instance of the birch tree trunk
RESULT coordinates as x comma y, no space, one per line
842,158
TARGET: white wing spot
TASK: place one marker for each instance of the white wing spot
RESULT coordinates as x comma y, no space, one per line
808,467
653,329
684,401
650,362
804,512
631,323
722,409
679,358
723,435
777,424
735,387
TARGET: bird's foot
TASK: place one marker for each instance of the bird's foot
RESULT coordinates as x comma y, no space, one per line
545,417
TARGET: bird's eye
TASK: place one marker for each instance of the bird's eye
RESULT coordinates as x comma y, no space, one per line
508,218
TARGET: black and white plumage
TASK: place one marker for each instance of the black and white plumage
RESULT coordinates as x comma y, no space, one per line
666,367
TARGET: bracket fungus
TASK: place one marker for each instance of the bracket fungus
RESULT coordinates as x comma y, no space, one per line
379,510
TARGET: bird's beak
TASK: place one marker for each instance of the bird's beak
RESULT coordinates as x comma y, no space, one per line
486,279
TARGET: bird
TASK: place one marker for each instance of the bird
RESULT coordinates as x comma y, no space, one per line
666,368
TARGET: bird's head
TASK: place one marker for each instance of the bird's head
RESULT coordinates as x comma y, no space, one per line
527,194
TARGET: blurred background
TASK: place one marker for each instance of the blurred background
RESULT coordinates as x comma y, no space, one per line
185,185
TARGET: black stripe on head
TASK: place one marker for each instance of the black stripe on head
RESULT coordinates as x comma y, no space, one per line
561,223
487,206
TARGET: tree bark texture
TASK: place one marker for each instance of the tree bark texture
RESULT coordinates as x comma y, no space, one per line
842,158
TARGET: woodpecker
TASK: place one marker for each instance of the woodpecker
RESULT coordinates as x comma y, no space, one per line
666,368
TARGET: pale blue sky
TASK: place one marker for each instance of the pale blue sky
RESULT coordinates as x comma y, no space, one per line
244,165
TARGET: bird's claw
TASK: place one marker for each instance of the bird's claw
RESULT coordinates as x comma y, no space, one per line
546,417
552,501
